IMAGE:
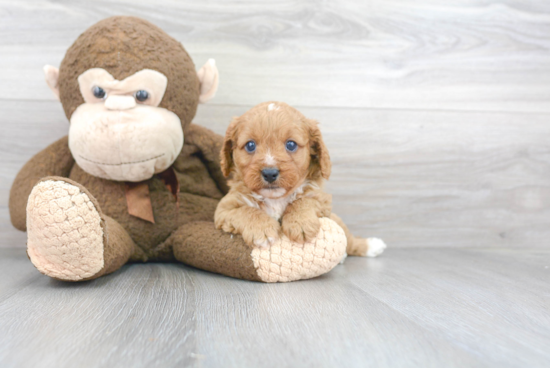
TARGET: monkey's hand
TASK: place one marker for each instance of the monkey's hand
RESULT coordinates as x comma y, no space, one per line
55,160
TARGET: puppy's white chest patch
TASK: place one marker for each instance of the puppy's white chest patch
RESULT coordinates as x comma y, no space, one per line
276,207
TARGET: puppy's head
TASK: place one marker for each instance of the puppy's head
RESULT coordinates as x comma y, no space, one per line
274,149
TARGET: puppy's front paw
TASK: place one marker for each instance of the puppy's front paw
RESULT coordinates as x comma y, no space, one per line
301,229
262,233
225,226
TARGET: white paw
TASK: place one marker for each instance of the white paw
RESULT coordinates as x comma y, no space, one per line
376,247
265,243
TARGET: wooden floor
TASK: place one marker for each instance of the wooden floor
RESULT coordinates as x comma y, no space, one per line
409,308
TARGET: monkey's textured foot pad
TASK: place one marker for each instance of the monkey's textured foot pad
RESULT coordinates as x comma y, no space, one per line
287,261
65,235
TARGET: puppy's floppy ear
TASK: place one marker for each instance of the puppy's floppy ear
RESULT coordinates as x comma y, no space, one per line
319,152
226,154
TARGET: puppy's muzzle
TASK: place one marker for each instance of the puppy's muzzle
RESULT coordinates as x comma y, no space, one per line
270,174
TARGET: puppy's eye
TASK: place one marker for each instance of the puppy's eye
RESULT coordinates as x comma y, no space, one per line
291,146
250,146
98,92
142,95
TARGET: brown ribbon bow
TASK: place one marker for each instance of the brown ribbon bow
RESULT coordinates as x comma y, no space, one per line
138,197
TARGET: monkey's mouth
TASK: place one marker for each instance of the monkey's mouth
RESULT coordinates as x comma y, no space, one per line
121,163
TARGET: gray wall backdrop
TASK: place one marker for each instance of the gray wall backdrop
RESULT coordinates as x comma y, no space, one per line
436,113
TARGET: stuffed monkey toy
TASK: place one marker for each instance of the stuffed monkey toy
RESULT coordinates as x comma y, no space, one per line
135,180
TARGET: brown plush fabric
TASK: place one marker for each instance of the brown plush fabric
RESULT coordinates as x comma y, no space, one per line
128,237
124,46
118,246
54,160
199,195
200,245
209,145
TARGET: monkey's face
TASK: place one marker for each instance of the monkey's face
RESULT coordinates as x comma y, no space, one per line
119,132
129,90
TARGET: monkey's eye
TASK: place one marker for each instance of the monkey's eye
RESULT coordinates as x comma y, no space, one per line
291,146
142,95
98,92
250,146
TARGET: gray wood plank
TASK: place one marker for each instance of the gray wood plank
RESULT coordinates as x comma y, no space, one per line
474,55
17,272
409,308
142,318
413,178
482,300
322,322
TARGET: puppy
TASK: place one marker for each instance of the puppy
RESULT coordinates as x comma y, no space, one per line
278,162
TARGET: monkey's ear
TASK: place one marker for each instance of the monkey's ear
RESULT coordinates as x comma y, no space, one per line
226,154
209,78
52,75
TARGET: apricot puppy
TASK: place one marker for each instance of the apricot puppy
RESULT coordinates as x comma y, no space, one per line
278,162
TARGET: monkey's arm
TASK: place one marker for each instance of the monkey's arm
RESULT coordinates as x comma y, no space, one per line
54,160
210,144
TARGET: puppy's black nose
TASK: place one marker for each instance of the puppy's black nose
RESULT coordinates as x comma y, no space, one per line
270,174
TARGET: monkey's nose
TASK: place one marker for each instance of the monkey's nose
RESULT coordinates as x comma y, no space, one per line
116,102
270,174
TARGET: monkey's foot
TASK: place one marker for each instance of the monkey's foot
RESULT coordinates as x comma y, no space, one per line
65,231
285,260
199,244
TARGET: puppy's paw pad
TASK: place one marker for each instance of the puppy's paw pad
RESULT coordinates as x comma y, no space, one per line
376,247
